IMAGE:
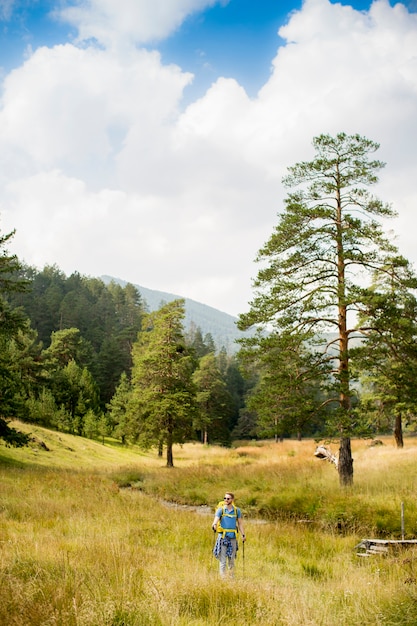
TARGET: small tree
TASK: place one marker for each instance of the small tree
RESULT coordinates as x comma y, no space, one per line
288,397
162,404
66,345
212,397
388,361
75,391
327,245
118,408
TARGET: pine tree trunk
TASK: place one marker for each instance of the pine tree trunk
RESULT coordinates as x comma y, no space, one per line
170,456
170,439
345,466
398,431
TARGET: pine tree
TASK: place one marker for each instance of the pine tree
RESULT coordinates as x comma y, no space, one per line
324,252
12,322
214,401
119,409
387,363
288,397
162,405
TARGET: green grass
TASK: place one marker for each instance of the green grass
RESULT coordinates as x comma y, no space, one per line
87,539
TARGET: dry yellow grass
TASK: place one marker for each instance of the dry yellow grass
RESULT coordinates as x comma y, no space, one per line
76,550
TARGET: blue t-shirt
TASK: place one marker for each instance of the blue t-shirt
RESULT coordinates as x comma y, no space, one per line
228,522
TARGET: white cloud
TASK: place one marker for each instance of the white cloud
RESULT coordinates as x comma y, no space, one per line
102,172
72,107
140,21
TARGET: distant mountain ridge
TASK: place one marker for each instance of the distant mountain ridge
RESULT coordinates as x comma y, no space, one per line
221,326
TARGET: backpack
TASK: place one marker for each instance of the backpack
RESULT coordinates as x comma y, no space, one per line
221,505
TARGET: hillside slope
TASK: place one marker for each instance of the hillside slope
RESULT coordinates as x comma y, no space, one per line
220,325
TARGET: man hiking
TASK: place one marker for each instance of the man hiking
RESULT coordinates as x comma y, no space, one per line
227,523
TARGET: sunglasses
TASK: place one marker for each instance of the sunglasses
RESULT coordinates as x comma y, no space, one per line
227,498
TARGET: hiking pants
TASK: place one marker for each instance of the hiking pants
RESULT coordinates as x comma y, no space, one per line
229,560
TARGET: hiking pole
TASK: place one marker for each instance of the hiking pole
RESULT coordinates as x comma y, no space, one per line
243,559
212,548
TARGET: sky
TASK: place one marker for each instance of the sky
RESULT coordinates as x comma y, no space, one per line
147,139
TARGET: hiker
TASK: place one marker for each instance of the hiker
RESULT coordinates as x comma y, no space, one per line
227,523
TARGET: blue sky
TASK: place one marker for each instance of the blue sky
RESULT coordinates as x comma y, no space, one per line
237,40
136,135
234,38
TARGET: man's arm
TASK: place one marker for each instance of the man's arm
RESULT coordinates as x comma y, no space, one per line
215,522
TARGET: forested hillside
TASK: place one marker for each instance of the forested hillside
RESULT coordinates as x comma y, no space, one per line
221,326
70,358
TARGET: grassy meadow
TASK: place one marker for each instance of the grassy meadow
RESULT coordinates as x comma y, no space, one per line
100,535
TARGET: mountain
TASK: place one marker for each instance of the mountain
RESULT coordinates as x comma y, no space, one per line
221,326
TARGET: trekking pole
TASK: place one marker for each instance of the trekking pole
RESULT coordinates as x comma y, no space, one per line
212,548
243,559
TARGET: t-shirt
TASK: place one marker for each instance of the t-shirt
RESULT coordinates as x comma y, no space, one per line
228,522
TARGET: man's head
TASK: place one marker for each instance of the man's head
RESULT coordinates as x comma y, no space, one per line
228,497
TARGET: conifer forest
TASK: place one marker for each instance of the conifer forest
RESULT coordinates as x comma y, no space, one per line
333,356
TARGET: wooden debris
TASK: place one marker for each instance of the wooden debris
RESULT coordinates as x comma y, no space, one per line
382,547
322,452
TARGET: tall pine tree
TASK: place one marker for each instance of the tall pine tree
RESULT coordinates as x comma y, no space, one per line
324,252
